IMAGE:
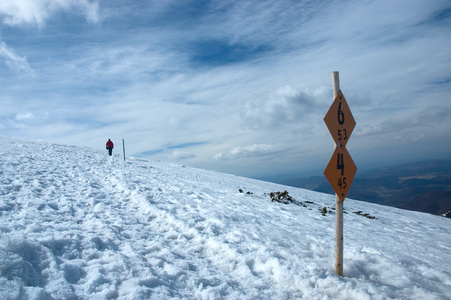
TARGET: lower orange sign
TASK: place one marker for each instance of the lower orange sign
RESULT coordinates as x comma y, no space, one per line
340,171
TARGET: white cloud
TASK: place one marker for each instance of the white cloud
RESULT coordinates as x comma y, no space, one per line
16,125
18,12
24,116
284,106
28,120
177,154
255,150
13,61
91,10
36,12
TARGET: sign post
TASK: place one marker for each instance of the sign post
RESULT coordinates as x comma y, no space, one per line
123,147
341,168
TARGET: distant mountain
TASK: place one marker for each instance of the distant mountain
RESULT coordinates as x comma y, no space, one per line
421,186
439,205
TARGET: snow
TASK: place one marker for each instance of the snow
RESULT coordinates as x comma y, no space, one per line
77,224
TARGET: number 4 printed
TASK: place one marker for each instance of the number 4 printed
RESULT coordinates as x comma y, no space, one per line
340,163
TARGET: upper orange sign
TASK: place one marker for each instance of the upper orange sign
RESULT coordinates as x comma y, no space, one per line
339,120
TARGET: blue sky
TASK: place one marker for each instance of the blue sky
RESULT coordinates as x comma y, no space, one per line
235,86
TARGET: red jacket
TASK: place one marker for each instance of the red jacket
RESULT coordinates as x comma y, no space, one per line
109,144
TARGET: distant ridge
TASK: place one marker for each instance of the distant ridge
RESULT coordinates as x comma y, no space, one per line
420,186
437,203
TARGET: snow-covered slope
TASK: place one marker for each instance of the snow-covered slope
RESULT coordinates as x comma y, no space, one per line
77,224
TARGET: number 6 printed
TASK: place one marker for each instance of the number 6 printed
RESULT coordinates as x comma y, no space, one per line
341,115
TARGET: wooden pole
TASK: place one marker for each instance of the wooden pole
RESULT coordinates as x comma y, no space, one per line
338,206
123,147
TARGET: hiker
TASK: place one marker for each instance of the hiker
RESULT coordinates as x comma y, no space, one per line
109,147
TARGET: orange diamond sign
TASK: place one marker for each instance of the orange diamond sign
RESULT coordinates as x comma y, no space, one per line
340,172
339,120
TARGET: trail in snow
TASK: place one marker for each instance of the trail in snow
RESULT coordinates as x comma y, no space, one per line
75,223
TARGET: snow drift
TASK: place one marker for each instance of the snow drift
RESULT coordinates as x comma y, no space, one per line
77,224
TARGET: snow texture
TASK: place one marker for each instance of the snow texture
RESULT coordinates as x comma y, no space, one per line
77,224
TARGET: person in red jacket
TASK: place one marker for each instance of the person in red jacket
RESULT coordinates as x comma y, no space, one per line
109,147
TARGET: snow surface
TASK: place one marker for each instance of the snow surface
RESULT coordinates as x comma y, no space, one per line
77,224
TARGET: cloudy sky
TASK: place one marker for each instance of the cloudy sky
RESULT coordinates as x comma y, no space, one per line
235,86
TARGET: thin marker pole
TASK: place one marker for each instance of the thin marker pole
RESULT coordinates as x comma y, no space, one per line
338,206
123,147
